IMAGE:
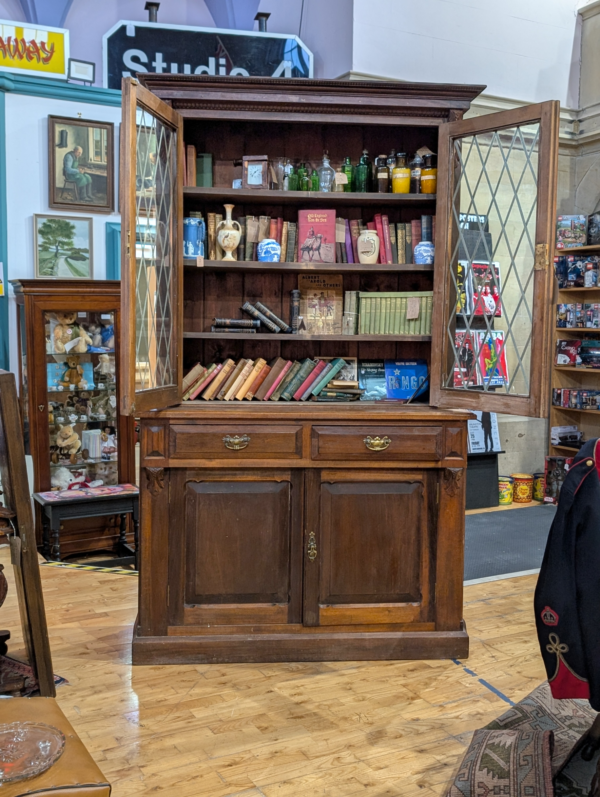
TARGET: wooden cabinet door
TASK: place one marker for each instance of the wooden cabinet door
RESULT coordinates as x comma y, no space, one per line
367,547
492,298
151,181
242,556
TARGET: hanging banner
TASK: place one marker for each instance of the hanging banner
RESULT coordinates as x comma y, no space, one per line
131,47
34,49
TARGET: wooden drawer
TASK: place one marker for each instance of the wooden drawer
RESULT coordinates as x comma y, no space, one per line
235,441
385,443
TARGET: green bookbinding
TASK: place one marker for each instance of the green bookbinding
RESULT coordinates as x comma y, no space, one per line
301,374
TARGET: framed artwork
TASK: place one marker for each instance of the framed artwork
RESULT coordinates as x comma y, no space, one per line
62,246
81,165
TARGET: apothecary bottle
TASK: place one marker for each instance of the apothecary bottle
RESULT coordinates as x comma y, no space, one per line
348,170
401,175
363,173
338,185
326,174
293,183
429,176
314,181
382,175
288,169
416,166
303,181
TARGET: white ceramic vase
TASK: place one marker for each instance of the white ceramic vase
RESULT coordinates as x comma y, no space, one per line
228,233
367,247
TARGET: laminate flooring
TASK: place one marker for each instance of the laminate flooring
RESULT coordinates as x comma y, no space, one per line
376,729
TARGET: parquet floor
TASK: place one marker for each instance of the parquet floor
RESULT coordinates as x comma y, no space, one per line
381,729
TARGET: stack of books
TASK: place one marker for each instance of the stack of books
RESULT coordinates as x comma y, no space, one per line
394,313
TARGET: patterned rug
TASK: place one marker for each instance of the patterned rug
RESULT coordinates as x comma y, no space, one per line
519,753
10,666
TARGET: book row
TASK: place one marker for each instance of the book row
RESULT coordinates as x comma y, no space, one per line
578,353
576,399
573,271
322,379
393,313
578,315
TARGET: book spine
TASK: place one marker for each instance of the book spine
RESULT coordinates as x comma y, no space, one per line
192,375
290,255
219,251
336,367
233,330
272,317
305,389
397,313
190,157
375,315
338,253
266,322
428,315
403,327
349,249
401,235
324,375
245,323
379,228
264,373
241,250
426,228
250,378
387,240
393,242
279,229
208,378
409,247
211,226
239,380
354,233
286,369
284,240
249,243
381,302
187,391
264,225
285,381
301,376
294,310
232,376
273,229
213,389
344,252
415,227
388,316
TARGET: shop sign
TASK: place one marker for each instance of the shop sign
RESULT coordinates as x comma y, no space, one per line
34,49
131,47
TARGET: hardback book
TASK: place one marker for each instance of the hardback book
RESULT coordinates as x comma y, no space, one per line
214,387
264,227
316,236
291,245
273,229
409,244
403,378
294,310
571,231
287,378
262,375
278,371
354,233
239,380
336,367
401,236
236,330
371,378
379,229
393,242
343,384
219,251
426,228
186,394
236,323
262,308
350,318
233,375
279,230
204,170
250,378
210,374
306,387
190,161
349,249
306,367
241,250
257,315
284,241
415,227
251,237
211,233
321,303
192,376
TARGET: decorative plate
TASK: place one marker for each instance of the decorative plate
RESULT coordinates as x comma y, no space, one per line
28,749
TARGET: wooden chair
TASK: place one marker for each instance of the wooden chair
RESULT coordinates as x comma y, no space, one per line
71,182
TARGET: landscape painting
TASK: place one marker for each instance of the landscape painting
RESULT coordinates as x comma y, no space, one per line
62,247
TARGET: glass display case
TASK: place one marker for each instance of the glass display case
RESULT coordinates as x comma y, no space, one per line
70,396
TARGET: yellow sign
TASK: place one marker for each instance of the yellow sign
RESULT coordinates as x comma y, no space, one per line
34,50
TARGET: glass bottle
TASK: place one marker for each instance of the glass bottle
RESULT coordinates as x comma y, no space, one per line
429,176
293,184
382,182
314,180
287,171
338,185
401,175
348,170
363,173
303,181
391,162
326,174
416,166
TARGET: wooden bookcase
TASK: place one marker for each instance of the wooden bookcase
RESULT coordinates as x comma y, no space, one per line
305,544
569,377
38,300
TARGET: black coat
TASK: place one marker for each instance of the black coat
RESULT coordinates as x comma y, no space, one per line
567,596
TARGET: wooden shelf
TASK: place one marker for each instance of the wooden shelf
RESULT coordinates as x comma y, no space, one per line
579,290
576,249
566,448
246,196
574,409
578,370
301,338
579,330
341,268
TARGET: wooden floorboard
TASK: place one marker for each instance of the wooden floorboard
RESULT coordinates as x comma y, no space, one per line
381,729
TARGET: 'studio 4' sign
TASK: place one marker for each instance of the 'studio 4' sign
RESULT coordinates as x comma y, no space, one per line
131,47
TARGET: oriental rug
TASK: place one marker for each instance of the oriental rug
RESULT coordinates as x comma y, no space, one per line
14,667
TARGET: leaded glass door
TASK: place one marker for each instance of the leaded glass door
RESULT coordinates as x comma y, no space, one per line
495,219
152,210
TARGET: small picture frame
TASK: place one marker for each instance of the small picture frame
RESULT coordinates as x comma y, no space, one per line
255,171
81,165
62,246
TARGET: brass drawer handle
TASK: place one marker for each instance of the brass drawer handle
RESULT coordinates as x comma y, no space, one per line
236,443
377,443
312,546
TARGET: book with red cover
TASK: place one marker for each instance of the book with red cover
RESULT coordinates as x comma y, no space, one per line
206,381
305,388
386,239
354,233
264,372
316,236
273,229
279,229
282,374
379,228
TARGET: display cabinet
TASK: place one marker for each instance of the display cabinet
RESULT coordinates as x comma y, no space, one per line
307,530
70,392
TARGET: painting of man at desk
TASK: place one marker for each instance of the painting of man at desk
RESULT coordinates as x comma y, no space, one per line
81,164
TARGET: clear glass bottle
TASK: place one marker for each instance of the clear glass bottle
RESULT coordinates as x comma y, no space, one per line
363,173
401,175
382,179
416,166
303,181
429,176
326,174
348,170
288,170
314,181
391,162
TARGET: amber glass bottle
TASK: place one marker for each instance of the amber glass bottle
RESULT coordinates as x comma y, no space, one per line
401,175
382,182
429,176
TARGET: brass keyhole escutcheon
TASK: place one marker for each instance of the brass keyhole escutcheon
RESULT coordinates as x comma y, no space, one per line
41,407
377,443
312,546
235,442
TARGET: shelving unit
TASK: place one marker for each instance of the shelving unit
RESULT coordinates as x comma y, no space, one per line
588,421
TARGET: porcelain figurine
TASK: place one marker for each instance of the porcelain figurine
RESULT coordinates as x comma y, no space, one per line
228,234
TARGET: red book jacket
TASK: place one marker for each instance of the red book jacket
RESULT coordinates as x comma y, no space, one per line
316,236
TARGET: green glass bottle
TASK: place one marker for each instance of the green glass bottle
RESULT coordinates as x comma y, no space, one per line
303,181
293,180
314,180
363,173
348,170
